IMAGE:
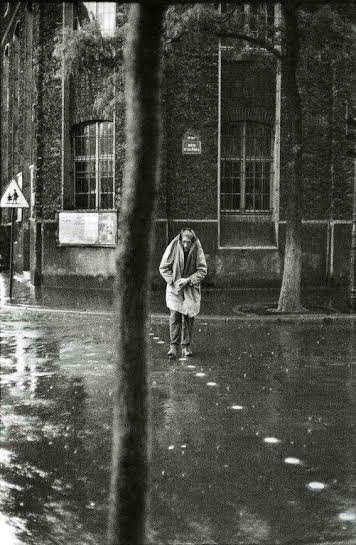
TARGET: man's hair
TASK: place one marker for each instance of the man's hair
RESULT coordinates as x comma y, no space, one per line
187,231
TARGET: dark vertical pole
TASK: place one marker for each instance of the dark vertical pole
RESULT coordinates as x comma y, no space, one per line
131,421
353,242
67,186
350,127
13,211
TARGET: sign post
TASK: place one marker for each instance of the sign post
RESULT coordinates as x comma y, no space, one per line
12,198
12,233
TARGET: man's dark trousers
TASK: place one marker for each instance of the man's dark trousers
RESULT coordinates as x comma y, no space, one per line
180,328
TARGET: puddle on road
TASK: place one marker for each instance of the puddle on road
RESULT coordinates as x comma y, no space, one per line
264,457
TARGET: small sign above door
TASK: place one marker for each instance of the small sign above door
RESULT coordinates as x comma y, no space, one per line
191,143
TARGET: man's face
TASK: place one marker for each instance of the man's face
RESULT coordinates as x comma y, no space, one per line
186,243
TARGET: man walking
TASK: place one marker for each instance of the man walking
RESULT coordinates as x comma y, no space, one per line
183,267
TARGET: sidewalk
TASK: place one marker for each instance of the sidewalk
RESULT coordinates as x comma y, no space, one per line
227,304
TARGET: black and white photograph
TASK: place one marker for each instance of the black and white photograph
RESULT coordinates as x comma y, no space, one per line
177,272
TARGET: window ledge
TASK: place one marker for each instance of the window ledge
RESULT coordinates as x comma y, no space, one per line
250,216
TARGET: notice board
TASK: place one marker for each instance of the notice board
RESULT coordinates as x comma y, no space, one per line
87,228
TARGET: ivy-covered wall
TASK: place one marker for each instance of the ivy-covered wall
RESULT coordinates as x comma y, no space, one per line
49,112
324,76
191,103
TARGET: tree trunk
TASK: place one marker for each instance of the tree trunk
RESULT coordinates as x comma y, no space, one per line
290,294
130,450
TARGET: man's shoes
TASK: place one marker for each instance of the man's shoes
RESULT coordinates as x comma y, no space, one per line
186,351
172,352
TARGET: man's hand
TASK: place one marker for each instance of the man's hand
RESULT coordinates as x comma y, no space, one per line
182,282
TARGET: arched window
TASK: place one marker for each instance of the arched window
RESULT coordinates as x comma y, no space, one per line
93,145
246,162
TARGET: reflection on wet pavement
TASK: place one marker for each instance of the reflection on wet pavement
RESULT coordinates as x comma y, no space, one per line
252,441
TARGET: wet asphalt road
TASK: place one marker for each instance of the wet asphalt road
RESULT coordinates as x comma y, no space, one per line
252,437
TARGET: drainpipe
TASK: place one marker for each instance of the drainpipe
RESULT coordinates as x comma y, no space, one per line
331,225
38,156
353,241
351,152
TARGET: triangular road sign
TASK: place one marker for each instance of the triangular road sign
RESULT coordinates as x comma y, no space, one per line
13,197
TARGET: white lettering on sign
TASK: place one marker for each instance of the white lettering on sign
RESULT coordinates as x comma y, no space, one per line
191,143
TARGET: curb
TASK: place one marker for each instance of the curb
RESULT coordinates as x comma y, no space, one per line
202,317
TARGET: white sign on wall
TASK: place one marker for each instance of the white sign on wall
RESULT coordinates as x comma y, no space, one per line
87,228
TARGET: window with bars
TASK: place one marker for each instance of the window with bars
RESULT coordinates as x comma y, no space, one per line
94,166
246,162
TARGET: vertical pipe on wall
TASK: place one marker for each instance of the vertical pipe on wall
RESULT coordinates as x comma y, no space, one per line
97,164
114,154
39,23
332,247
327,258
67,196
353,240
330,252
219,136
331,158
1,126
277,128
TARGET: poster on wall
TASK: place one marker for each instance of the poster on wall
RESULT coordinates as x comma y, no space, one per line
87,228
107,229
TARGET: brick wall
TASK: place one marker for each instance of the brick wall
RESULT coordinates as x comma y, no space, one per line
317,187
191,102
17,128
49,112
323,104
